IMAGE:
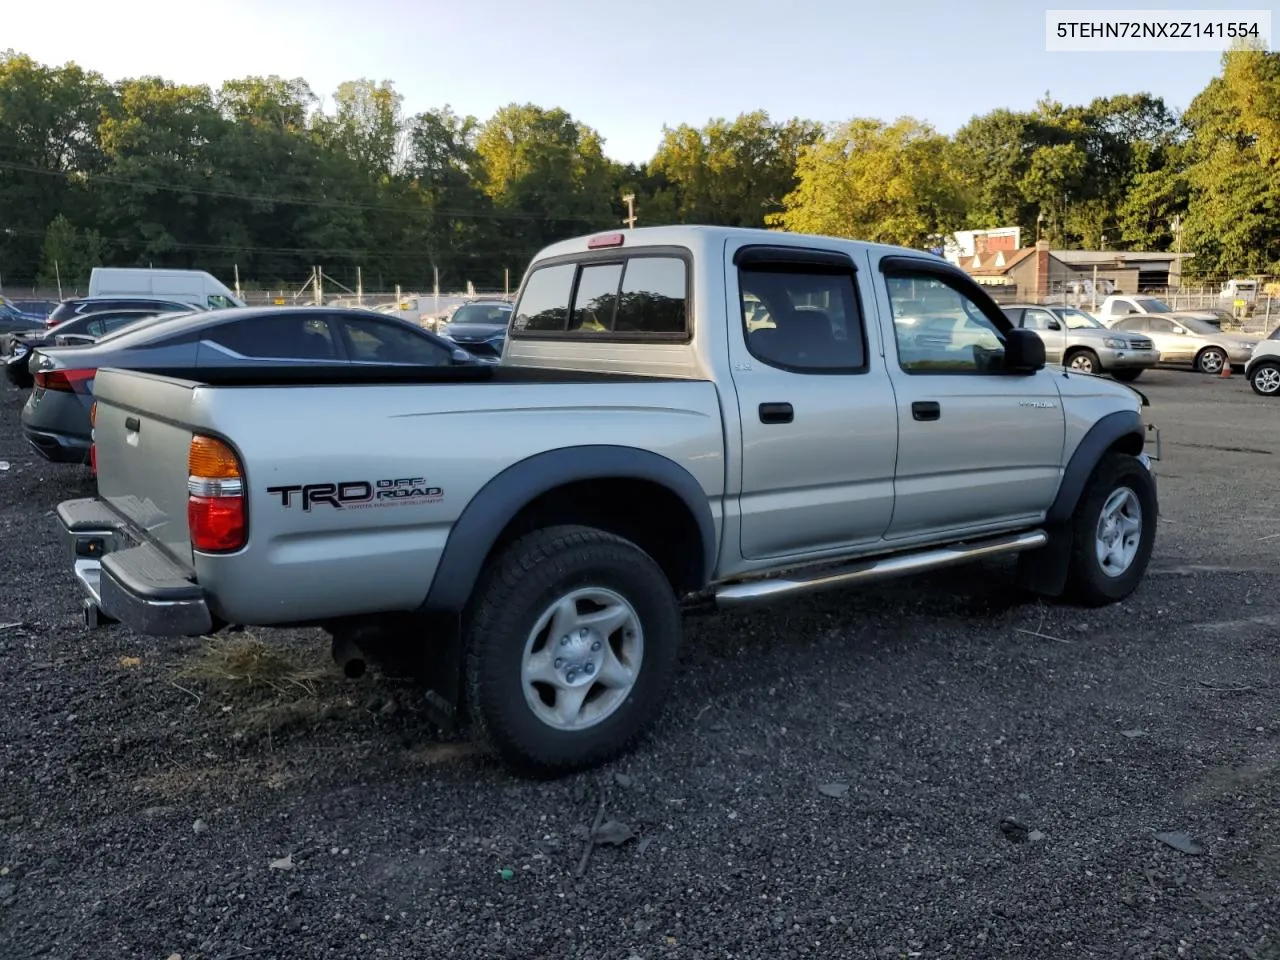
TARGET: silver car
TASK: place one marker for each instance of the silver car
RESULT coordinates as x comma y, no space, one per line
1079,342
1185,341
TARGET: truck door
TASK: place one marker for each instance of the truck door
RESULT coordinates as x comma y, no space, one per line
979,449
819,422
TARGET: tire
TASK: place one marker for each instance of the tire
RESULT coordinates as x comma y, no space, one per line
1265,379
1211,360
1118,478
1083,361
1126,376
571,568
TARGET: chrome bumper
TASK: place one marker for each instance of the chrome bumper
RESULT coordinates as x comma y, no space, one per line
128,582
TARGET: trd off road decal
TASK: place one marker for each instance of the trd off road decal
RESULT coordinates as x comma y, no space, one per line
358,494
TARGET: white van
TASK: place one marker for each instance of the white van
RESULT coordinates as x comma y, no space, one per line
186,286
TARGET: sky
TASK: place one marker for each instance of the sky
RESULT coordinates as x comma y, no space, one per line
624,67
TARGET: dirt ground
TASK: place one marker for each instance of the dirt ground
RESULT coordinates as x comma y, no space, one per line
830,777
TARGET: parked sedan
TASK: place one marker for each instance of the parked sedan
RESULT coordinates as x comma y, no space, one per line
480,327
80,306
1191,342
1080,342
77,331
55,419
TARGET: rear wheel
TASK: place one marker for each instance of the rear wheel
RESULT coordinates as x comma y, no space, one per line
571,648
1114,530
1211,360
1083,361
1126,376
1265,379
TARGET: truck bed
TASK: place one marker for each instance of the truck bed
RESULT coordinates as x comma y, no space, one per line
306,428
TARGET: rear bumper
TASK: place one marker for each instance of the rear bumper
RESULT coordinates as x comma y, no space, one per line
125,581
57,447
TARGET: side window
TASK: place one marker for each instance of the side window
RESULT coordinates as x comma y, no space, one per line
217,301
596,298
377,341
1038,320
653,295
1161,325
1015,315
1134,324
802,319
939,329
95,327
288,337
544,305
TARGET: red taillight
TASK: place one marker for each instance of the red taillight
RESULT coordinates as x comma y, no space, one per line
65,380
215,497
50,322
217,523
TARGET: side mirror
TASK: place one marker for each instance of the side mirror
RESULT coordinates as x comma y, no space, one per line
1180,331
1054,325
1023,352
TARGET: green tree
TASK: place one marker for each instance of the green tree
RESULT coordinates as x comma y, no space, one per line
48,143
733,174
68,255
546,175
891,183
1233,171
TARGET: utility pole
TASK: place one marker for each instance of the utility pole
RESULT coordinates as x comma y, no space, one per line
630,201
359,288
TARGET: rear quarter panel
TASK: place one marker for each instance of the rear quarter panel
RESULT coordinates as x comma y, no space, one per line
314,561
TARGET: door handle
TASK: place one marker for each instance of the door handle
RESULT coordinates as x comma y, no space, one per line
926,409
776,413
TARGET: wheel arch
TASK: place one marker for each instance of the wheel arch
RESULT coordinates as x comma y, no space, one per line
634,493
1121,431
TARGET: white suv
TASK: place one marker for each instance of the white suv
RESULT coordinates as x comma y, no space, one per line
1263,368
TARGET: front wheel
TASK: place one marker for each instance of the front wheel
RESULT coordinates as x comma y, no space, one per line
1265,379
1211,360
571,647
1126,376
1084,361
1114,530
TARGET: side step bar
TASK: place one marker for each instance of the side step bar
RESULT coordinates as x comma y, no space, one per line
749,592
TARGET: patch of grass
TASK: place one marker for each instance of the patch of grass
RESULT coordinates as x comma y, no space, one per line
245,663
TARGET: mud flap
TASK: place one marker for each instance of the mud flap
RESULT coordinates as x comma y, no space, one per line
442,669
1044,571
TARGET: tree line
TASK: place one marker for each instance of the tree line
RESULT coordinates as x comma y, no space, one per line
256,175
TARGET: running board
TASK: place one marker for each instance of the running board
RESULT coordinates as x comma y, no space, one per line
746,593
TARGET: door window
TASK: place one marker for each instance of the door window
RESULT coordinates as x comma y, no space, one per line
1132,324
1161,325
378,341
803,320
286,337
1040,320
941,330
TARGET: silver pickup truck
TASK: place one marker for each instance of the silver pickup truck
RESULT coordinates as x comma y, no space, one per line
682,416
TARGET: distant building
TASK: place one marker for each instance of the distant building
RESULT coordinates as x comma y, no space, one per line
967,243
1041,272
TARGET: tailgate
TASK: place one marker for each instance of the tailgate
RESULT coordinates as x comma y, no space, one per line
142,445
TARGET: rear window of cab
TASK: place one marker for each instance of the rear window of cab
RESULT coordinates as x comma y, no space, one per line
638,297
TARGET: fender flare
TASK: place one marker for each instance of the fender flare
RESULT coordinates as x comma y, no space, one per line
1097,441
505,495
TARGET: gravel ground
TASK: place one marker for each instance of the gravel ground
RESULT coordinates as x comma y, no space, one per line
830,778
